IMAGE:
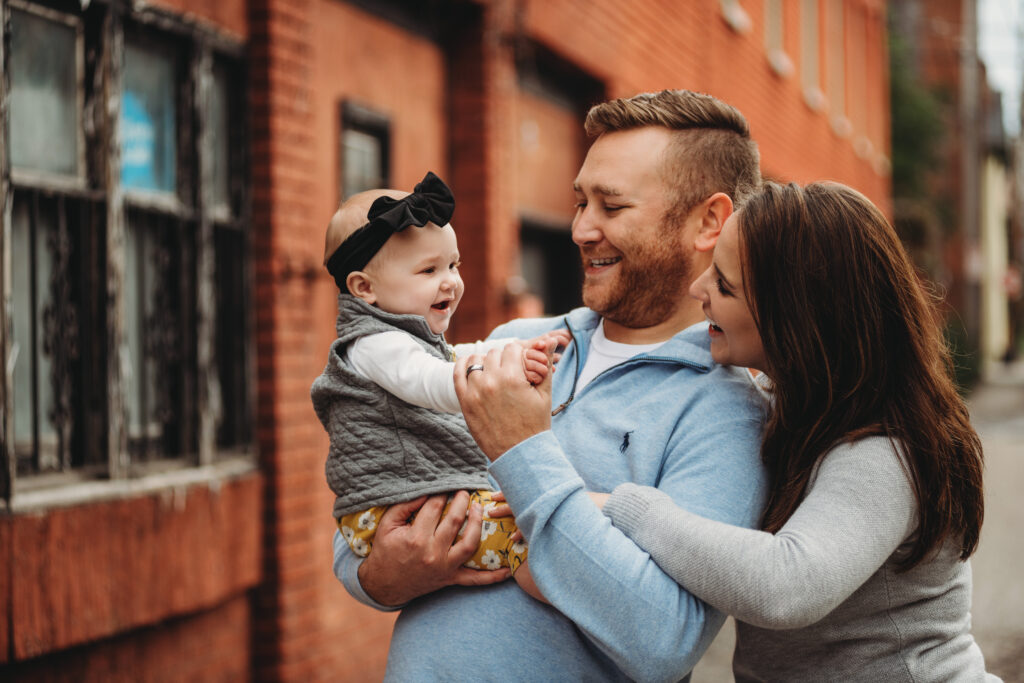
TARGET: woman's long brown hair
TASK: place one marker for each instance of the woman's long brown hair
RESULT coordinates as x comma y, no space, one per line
854,348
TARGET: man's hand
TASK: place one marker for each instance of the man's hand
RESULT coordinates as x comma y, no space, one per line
410,559
501,408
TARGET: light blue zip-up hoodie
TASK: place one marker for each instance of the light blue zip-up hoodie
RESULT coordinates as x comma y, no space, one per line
670,418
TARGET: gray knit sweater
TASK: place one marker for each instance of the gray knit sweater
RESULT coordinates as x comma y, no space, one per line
821,600
383,449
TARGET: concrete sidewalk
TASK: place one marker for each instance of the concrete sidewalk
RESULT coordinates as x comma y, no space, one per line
997,411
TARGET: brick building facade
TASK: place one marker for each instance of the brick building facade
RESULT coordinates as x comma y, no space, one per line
217,567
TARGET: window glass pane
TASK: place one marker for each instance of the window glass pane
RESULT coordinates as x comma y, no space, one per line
220,140
773,24
533,265
21,277
231,348
45,235
33,235
139,293
43,95
148,119
809,43
363,162
550,264
160,329
133,314
836,58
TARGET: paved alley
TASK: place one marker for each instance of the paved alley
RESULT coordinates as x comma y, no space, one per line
997,410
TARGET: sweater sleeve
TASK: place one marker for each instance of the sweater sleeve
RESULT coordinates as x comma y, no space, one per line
858,510
346,569
612,590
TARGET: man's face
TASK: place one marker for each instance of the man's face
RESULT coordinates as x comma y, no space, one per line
636,268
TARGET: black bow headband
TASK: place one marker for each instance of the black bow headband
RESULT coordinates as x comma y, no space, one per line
430,202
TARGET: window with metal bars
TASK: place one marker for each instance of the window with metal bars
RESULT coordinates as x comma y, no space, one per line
124,252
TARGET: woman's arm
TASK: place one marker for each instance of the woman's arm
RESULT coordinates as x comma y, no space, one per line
857,511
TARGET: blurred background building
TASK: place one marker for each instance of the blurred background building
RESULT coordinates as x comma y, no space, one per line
168,170
953,180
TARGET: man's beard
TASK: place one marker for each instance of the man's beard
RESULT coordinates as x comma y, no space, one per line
648,287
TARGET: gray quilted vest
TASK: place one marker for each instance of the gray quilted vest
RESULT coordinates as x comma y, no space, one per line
384,450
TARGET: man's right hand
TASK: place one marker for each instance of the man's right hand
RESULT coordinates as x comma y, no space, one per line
410,559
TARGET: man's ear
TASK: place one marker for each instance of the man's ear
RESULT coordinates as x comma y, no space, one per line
361,285
713,213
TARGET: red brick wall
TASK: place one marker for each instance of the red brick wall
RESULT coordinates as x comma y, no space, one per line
212,645
456,108
283,208
86,577
227,15
646,46
372,62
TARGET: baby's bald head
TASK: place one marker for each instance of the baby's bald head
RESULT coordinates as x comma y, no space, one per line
351,216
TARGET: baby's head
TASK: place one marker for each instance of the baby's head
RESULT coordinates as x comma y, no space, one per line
401,260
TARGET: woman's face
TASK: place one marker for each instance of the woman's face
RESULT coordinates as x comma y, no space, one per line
734,337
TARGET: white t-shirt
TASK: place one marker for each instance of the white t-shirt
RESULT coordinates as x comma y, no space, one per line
761,382
605,353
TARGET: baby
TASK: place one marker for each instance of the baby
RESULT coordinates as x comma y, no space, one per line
387,396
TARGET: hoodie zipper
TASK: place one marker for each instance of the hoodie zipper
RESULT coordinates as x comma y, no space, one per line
576,376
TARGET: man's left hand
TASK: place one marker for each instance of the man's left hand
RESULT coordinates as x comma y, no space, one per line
502,408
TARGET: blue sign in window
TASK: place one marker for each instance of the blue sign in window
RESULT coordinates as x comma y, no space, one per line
148,132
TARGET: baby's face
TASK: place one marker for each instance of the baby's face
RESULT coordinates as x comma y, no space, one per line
417,272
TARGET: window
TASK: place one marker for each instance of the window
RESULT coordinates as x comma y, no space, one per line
734,15
550,263
552,101
365,149
128,276
836,46
45,65
858,79
774,38
49,309
810,75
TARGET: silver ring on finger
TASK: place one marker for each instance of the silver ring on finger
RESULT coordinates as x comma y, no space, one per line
475,366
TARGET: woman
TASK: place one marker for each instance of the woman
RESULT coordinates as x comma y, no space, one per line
860,571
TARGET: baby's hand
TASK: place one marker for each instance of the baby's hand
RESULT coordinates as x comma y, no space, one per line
535,365
560,337
536,352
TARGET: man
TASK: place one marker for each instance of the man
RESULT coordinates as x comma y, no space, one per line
637,398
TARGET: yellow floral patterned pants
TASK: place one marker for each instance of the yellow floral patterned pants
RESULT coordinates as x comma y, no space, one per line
496,547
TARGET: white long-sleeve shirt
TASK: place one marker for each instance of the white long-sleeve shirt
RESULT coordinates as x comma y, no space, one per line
399,364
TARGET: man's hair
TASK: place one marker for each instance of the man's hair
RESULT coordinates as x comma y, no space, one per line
854,346
711,152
